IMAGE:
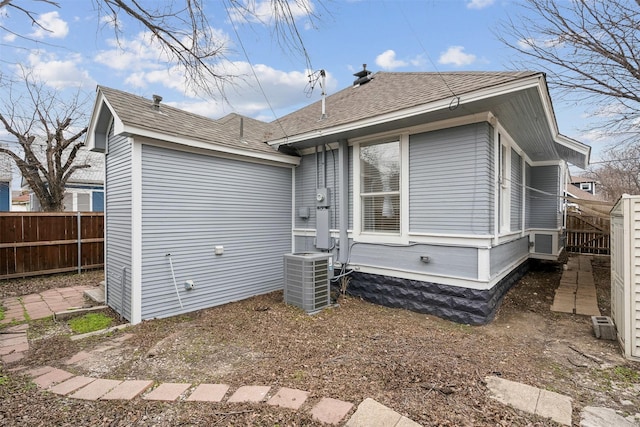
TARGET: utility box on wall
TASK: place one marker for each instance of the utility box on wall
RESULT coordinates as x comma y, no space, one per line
625,273
306,280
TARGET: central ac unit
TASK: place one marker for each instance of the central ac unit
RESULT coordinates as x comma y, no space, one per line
306,280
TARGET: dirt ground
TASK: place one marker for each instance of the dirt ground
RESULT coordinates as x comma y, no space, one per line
426,368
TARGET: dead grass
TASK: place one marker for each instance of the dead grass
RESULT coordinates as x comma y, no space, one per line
426,368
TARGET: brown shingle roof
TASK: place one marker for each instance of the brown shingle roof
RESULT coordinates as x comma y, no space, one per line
581,194
387,93
138,112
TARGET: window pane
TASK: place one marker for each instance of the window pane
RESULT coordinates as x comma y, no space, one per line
381,213
380,187
380,167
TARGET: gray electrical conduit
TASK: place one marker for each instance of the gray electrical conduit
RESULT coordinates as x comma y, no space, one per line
175,285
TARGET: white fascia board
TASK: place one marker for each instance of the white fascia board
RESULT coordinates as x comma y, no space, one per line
572,144
93,120
526,83
131,130
118,126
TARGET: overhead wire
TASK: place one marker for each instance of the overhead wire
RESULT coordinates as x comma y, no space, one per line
455,101
290,21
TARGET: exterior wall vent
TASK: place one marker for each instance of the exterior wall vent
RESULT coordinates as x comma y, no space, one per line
306,280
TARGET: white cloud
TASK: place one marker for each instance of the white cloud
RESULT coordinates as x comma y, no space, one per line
140,53
9,37
110,21
143,52
59,73
387,60
51,25
283,89
593,136
479,4
455,55
261,11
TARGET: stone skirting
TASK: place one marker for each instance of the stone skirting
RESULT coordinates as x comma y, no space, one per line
459,304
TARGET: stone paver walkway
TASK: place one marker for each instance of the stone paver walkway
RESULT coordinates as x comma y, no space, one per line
577,291
13,343
326,410
44,304
531,399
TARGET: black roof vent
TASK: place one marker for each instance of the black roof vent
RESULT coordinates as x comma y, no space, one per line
362,76
157,99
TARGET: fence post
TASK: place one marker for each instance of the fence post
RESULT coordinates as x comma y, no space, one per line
79,243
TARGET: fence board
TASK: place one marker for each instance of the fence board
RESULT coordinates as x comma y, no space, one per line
35,243
588,234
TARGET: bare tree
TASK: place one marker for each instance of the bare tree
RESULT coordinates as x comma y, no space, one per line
183,31
47,143
591,51
618,172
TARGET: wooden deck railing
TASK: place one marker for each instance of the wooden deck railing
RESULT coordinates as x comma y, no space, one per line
38,243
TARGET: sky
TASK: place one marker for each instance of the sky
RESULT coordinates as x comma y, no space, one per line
79,50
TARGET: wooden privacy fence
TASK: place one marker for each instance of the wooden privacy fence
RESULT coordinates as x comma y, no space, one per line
588,226
37,243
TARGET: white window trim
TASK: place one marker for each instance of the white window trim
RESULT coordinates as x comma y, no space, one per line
378,237
503,213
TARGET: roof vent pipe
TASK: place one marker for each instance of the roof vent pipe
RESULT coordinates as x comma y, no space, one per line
156,102
363,76
323,75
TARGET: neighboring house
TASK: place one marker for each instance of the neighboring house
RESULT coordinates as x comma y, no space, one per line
585,184
84,191
5,183
431,190
20,201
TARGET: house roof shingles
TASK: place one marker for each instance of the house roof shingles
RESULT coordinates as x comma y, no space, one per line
389,92
138,112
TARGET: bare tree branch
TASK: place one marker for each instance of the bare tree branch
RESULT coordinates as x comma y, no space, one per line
618,172
46,150
590,50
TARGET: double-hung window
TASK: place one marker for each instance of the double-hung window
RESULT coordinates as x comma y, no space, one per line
380,187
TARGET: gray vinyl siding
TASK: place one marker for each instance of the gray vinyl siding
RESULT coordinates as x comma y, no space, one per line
543,244
306,188
451,180
444,260
305,176
543,204
506,254
118,224
516,191
192,203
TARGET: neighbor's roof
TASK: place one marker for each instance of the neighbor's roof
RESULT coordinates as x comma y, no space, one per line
138,116
581,194
579,179
389,92
91,175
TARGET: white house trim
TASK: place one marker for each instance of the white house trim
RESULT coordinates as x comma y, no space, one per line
136,231
213,153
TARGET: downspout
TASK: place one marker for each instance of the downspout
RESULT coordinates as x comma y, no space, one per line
343,176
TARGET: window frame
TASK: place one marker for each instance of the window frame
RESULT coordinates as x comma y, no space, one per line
359,234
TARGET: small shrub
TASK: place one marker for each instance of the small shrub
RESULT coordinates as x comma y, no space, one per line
1,312
90,322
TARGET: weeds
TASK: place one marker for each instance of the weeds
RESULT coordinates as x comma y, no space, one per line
90,322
